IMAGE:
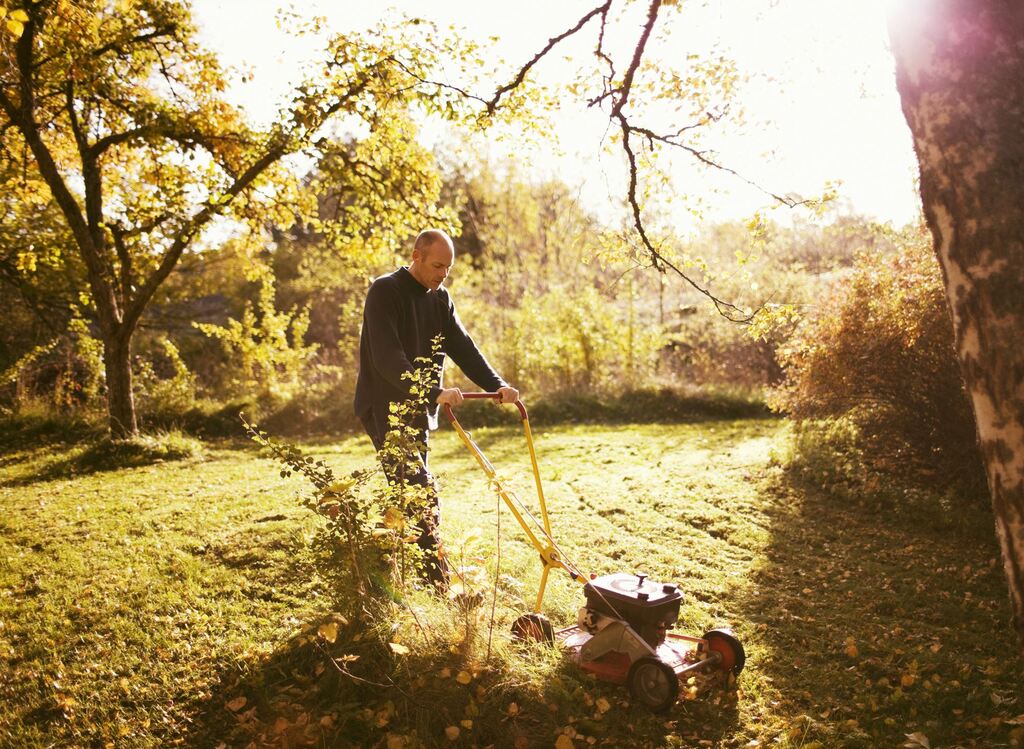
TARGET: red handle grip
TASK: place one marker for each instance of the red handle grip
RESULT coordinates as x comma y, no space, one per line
493,396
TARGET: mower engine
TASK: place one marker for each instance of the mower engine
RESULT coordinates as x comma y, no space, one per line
650,608
626,618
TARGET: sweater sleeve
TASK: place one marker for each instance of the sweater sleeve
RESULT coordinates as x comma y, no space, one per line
463,351
381,325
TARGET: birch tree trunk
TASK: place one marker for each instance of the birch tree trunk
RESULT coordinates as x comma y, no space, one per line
960,75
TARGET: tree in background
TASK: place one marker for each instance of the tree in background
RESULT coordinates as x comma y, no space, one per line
120,114
960,74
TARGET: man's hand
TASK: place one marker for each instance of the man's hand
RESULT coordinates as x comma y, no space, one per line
450,396
508,394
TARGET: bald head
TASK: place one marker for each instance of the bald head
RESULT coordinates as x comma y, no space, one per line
429,237
432,257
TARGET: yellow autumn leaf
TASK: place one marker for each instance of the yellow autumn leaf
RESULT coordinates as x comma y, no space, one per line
394,519
15,28
463,677
398,648
20,16
513,709
340,487
396,742
907,680
467,724
452,732
603,705
851,648
328,631
564,742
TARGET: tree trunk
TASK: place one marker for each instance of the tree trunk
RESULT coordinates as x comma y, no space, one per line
120,402
960,74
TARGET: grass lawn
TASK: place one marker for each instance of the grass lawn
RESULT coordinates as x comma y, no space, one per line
172,604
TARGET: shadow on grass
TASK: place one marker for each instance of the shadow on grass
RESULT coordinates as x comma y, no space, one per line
360,692
99,454
876,619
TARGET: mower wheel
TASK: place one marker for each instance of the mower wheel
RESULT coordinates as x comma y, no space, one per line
723,641
535,627
653,684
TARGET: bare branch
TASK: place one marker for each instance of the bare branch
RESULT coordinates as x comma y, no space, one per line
601,10
638,54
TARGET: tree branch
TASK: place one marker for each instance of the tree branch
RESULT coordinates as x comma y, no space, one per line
193,226
601,10
23,114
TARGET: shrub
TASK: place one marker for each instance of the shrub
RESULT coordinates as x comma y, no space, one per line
267,350
879,353
164,396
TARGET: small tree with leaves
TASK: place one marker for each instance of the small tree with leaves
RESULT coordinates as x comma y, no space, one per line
121,114
369,539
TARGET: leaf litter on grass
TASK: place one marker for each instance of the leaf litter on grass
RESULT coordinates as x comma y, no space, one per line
861,629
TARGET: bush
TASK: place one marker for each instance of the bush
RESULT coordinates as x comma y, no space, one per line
879,353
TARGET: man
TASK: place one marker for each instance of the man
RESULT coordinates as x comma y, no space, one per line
404,312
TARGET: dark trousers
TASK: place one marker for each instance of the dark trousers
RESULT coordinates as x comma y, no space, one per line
417,474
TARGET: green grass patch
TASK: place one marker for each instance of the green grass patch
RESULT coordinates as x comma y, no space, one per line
182,603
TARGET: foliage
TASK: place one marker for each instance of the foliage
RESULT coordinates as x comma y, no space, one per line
879,353
267,352
141,151
163,399
370,534
529,278
65,373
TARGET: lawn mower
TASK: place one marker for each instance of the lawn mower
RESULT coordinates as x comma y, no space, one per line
622,632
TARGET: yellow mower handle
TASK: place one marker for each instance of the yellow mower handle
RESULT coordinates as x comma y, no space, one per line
549,554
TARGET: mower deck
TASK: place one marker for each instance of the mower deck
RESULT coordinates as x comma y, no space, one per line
678,652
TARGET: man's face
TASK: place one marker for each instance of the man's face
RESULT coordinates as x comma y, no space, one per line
430,265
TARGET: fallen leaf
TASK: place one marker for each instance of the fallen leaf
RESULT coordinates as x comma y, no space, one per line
907,680
467,724
917,740
398,648
463,677
328,631
603,705
236,704
396,742
452,732
512,709
564,742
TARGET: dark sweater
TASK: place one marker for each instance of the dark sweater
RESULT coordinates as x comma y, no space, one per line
400,319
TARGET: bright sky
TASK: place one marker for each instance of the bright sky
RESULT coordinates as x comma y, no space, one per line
821,104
